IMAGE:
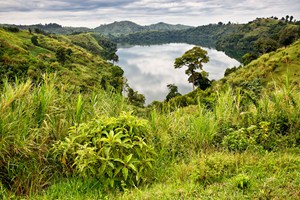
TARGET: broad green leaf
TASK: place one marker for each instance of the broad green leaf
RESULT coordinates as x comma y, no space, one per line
125,173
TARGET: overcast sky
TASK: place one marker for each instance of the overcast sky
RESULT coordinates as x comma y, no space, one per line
92,13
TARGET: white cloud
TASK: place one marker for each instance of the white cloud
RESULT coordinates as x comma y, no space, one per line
92,13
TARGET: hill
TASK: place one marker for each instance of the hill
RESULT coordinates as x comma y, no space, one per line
270,67
259,36
119,28
115,28
161,26
50,28
206,35
128,27
78,60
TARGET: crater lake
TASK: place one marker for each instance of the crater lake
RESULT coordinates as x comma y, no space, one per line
149,69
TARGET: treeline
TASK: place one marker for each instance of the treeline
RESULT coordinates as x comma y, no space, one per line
203,35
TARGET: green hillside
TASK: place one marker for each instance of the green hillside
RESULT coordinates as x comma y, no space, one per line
119,28
270,67
77,60
127,27
259,36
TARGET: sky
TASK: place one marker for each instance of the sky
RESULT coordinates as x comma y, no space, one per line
92,13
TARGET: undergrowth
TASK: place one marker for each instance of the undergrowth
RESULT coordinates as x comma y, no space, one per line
58,143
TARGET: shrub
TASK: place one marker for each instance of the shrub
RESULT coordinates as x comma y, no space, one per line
236,140
242,181
34,40
114,150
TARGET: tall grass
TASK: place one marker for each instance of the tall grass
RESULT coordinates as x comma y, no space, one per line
32,118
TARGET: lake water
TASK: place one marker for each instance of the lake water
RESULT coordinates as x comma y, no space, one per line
149,69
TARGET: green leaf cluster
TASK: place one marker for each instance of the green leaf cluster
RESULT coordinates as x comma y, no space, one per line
114,150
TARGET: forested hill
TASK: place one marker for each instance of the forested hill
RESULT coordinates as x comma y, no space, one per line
260,36
119,28
80,60
50,28
115,28
206,35
128,27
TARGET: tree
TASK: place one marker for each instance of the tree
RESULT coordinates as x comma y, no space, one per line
248,57
265,45
61,54
193,59
291,18
135,98
173,92
69,52
200,79
288,35
34,40
287,18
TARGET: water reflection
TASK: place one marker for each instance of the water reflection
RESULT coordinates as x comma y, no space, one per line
150,68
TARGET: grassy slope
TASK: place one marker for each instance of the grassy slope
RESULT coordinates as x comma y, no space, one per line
270,67
86,41
81,68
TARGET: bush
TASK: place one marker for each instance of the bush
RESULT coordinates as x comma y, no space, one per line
114,150
242,181
34,40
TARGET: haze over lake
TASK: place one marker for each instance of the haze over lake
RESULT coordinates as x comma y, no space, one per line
149,69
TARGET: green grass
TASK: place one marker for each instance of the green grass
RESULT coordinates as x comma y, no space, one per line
270,67
210,175
20,57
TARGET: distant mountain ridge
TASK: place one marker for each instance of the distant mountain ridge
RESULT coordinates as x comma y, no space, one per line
115,28
128,27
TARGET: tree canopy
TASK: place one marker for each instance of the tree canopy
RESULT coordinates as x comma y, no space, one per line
193,59
173,92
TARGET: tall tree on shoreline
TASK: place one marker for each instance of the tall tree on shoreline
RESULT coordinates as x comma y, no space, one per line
193,59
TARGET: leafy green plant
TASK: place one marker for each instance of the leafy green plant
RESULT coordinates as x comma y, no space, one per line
114,150
242,181
236,140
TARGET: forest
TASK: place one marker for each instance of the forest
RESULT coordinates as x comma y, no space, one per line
71,128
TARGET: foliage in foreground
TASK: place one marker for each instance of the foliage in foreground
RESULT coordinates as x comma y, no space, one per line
207,175
32,118
113,150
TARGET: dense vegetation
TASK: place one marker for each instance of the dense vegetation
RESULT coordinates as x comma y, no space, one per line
66,131
203,35
260,36
25,54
